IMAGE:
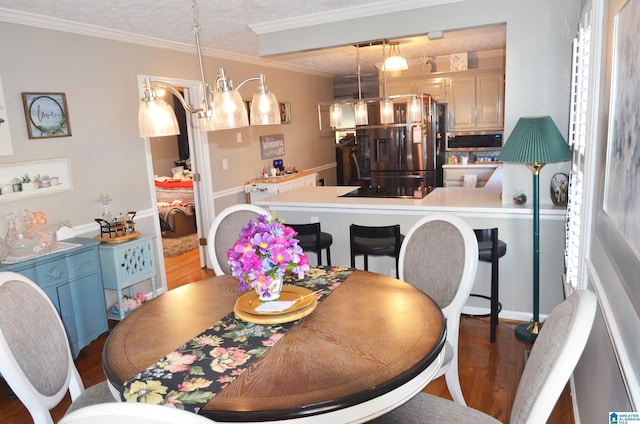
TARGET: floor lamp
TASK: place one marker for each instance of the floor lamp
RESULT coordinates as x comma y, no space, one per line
535,141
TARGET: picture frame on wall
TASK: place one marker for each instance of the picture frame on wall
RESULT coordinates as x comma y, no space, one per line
6,146
284,109
559,189
285,113
618,224
47,115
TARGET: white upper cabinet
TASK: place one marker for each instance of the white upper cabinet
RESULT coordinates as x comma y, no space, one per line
436,87
476,101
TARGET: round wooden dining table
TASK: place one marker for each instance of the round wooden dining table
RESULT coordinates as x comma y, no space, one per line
367,348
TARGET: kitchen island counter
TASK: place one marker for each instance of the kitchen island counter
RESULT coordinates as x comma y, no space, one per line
480,208
455,199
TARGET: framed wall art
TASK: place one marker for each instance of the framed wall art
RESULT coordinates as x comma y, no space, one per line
618,223
284,109
271,146
47,115
6,147
558,189
285,113
35,178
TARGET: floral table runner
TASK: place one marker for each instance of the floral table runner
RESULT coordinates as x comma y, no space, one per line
195,372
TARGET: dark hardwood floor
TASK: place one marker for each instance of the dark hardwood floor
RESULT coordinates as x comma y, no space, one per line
489,373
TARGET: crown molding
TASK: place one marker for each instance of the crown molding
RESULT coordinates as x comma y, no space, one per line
338,15
56,24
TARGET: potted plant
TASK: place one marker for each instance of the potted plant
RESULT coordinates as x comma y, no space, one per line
27,184
16,184
265,250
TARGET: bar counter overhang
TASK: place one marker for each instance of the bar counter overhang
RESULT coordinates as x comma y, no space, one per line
480,208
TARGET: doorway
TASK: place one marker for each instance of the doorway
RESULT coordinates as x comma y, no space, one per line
179,184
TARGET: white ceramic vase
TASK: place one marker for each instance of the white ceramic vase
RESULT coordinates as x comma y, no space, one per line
274,291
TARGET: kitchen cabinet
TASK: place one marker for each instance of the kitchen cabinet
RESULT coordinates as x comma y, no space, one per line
476,101
454,174
126,264
260,188
72,280
436,87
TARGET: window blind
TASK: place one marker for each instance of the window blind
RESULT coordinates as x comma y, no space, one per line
578,141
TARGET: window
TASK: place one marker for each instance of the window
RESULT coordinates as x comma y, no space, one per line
578,139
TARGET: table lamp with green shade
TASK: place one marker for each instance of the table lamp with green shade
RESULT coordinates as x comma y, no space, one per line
535,141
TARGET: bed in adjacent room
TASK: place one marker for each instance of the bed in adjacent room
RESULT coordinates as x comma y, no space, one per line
176,206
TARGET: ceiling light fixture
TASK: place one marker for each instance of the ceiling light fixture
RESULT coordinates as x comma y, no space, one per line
220,110
414,109
395,62
386,105
335,115
361,114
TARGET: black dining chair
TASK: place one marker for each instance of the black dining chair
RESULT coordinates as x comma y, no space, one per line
490,249
312,238
375,241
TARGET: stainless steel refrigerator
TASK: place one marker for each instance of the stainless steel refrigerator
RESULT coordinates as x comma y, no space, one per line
402,157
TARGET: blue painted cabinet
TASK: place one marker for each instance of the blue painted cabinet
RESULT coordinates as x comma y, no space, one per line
126,264
73,281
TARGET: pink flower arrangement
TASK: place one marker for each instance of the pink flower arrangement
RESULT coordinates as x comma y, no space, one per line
131,303
265,250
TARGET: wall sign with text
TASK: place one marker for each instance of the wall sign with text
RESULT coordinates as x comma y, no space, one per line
271,146
47,115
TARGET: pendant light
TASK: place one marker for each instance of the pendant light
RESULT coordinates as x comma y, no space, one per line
386,105
395,62
335,115
264,106
414,109
361,114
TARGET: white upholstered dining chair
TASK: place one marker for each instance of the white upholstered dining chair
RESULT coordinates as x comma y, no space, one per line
133,413
224,232
439,256
35,357
553,358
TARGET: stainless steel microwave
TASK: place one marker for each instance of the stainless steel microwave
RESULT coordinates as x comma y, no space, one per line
480,141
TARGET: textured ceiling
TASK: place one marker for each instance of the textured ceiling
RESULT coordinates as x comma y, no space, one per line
229,20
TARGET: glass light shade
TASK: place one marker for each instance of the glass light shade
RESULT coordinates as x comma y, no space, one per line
229,110
206,124
156,118
335,115
361,114
265,109
414,110
386,111
395,62
535,140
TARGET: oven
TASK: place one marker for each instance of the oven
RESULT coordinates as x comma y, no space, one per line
477,141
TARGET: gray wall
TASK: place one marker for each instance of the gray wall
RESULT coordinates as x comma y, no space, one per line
538,56
606,379
106,153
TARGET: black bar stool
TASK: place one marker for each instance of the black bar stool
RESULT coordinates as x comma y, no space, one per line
375,241
311,238
490,249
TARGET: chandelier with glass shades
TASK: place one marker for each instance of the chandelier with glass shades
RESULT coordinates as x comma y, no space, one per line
397,109
221,109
